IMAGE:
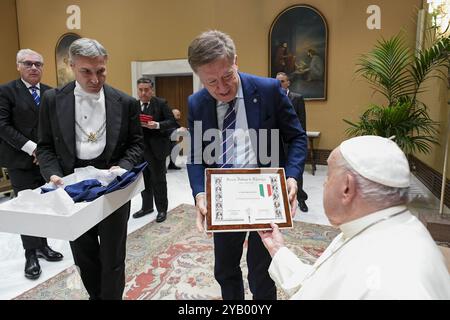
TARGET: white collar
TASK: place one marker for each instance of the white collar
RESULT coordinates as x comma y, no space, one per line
351,228
28,85
79,91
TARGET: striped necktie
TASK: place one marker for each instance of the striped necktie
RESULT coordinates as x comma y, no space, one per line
35,95
229,124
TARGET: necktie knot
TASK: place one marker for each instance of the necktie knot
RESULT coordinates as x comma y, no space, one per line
35,95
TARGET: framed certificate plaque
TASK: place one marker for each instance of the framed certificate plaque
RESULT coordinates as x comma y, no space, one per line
246,199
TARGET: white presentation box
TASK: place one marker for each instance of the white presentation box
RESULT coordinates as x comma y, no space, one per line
68,227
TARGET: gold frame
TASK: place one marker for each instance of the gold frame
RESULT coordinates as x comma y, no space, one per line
64,73
325,57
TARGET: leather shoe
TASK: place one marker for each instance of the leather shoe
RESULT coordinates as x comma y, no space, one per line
32,267
48,254
142,213
174,168
302,205
161,216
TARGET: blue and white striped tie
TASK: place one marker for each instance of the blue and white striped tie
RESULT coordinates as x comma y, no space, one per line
35,95
229,124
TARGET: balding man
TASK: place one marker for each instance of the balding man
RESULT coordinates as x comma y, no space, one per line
383,251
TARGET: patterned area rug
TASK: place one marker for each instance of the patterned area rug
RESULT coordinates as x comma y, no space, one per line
171,260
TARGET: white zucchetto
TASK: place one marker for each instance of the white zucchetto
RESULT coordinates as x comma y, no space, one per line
377,159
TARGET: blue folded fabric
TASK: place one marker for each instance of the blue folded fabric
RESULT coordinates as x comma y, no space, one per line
127,178
91,189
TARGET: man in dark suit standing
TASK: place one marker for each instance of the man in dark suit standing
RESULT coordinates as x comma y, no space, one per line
19,115
239,102
156,150
87,123
299,106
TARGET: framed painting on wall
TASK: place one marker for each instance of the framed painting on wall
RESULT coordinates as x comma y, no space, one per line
64,72
298,41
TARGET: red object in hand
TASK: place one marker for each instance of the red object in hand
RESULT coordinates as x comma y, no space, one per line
145,118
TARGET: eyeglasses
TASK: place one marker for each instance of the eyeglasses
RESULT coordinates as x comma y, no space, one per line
29,64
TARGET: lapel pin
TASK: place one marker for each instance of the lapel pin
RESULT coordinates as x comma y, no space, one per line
255,100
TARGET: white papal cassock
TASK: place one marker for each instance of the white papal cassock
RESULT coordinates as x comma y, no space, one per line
379,256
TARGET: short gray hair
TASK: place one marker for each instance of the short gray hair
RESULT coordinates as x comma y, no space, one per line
23,52
374,192
86,48
210,46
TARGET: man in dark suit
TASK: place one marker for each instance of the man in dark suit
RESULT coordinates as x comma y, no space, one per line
299,106
255,104
156,150
179,131
19,115
87,123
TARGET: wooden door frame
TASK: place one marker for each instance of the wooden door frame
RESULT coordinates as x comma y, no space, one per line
179,67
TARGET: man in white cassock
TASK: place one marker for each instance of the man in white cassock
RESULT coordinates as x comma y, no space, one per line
383,251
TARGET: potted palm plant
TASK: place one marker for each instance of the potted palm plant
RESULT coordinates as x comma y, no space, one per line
394,71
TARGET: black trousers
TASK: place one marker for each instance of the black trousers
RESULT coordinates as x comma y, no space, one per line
228,247
100,255
301,194
155,184
22,179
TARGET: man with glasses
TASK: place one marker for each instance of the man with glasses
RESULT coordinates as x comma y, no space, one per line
19,115
383,251
238,102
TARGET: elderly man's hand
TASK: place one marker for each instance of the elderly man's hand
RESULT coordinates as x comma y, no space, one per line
272,239
292,194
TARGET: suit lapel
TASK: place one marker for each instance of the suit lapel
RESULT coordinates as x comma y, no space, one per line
65,110
152,109
113,119
209,112
252,102
26,96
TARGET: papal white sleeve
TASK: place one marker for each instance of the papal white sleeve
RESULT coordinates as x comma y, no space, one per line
288,271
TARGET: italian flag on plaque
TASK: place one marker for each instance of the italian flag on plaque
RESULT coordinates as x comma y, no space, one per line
265,192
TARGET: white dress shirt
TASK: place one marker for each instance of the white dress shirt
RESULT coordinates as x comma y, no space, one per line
244,155
90,114
393,259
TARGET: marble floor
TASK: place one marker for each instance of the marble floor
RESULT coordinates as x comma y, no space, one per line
13,282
